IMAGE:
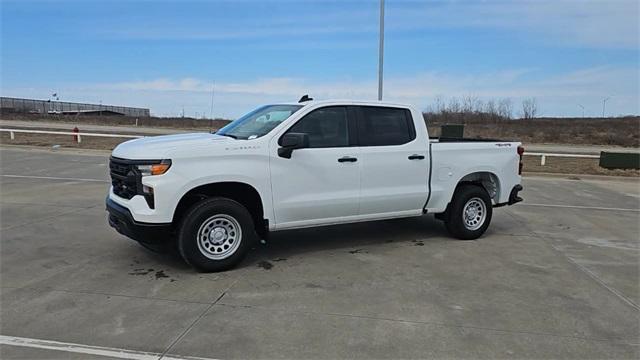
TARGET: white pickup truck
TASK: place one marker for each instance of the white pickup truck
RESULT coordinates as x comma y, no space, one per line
305,164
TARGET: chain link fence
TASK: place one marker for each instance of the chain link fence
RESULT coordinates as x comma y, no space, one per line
18,105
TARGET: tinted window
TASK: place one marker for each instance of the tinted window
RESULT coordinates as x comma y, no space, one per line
385,126
326,127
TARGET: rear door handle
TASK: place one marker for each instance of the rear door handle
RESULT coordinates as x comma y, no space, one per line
347,159
416,157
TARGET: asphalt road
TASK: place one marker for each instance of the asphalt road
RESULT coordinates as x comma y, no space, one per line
554,277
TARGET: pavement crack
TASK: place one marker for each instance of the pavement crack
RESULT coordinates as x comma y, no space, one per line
592,275
582,269
186,331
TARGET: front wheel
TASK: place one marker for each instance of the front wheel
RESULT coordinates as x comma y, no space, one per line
469,213
215,234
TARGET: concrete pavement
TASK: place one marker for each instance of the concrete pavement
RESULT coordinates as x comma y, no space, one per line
554,277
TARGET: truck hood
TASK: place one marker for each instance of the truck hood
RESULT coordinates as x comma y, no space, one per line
156,147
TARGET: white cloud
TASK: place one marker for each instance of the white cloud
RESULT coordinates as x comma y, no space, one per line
557,94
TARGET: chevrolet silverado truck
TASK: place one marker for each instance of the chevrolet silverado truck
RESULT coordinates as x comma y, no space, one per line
306,164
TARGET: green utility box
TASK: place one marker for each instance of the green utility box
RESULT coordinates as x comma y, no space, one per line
611,160
452,131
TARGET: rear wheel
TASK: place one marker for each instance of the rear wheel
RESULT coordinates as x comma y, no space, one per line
215,234
469,213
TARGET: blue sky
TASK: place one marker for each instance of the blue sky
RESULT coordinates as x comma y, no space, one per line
167,55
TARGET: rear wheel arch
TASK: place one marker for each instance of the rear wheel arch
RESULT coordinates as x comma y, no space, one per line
486,179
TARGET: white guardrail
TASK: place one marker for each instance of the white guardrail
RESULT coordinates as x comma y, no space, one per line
543,156
78,134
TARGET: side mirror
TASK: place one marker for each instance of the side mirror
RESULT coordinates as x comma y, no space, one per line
292,141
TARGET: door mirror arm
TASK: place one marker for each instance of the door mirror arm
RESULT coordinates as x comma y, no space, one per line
290,142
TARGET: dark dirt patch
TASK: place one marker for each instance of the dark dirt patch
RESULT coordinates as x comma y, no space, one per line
265,265
358,251
141,271
160,274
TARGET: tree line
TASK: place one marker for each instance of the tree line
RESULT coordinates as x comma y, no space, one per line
473,108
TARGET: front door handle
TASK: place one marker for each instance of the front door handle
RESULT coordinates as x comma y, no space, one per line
347,159
416,157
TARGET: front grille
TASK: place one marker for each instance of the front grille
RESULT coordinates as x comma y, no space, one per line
124,178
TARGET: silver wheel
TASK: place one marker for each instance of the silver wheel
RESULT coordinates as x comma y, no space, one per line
219,237
474,213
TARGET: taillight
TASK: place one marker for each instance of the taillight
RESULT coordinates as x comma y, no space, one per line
520,153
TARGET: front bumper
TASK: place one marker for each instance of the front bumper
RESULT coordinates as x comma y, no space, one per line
120,218
513,196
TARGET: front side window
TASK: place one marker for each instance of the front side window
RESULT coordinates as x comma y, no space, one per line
380,126
326,127
258,122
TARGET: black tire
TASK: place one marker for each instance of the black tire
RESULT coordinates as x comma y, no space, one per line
454,219
199,254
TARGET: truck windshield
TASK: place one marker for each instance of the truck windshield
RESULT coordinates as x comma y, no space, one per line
258,122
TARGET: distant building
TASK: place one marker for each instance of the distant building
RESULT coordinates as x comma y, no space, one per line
31,106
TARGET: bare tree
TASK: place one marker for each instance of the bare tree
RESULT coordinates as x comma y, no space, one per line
440,106
454,105
469,104
505,108
491,109
529,108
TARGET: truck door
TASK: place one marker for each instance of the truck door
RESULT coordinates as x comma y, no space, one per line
394,162
319,184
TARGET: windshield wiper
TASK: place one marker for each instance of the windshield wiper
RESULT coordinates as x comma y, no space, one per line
229,135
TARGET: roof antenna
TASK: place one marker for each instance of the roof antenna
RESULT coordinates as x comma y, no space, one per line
305,98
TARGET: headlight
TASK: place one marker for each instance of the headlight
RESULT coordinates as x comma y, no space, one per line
154,169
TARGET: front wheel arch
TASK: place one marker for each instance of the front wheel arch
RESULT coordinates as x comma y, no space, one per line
240,192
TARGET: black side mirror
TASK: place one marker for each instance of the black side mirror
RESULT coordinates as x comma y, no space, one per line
292,141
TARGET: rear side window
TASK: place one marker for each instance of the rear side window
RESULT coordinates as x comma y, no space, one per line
326,127
379,126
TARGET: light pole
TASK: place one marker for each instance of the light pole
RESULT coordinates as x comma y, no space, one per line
604,103
582,110
381,50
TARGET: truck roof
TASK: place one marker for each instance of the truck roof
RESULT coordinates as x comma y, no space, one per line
348,102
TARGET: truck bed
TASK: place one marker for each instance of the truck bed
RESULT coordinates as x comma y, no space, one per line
454,158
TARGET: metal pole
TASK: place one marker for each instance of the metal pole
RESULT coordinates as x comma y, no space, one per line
582,107
212,93
604,103
381,50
